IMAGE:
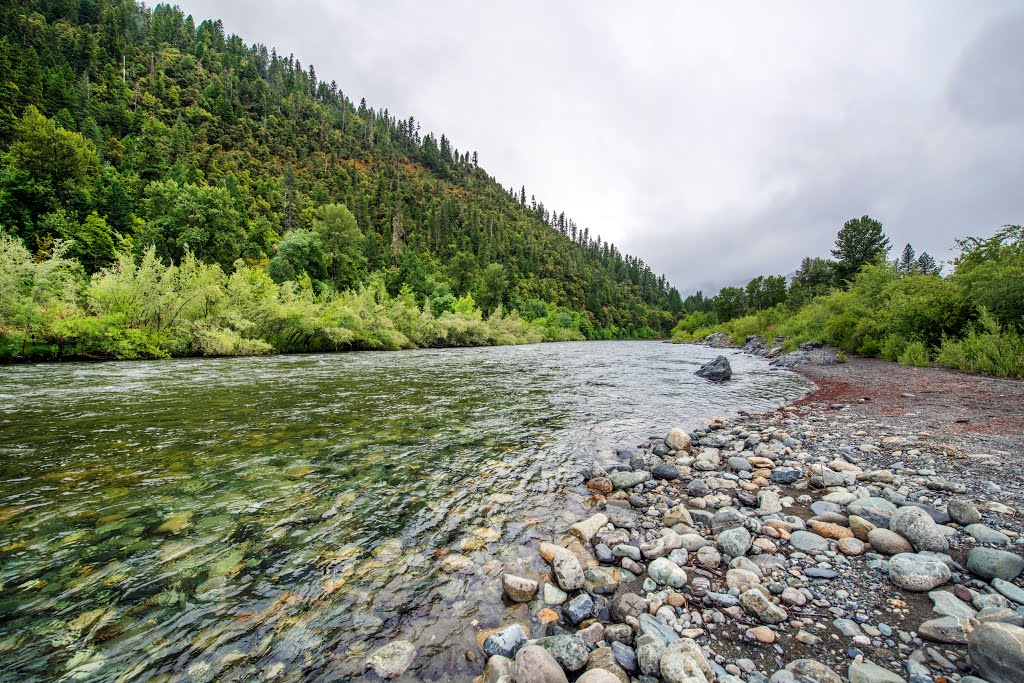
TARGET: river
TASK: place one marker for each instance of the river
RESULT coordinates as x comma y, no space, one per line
281,517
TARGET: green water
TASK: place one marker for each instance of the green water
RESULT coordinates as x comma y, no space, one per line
278,518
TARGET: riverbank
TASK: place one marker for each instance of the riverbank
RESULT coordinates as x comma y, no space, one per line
868,531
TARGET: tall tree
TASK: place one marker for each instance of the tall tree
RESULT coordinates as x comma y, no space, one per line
859,242
907,262
342,244
926,265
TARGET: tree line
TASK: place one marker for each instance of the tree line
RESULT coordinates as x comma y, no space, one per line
905,309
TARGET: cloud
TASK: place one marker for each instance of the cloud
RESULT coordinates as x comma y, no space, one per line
714,142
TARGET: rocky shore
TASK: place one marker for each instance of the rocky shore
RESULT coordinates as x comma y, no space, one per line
824,542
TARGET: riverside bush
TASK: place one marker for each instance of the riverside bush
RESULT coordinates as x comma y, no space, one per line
988,349
915,354
144,308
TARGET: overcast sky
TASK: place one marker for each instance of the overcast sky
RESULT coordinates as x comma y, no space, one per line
716,141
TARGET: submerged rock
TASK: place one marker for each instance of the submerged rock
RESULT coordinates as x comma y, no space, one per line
392,660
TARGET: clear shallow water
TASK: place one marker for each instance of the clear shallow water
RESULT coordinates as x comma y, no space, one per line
245,519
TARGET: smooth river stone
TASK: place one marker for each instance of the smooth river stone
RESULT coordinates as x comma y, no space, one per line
627,480
915,525
989,563
393,659
917,573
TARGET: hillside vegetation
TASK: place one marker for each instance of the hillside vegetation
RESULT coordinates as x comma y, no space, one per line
168,189
903,310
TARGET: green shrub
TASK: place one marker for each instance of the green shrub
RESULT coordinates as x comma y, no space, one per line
988,349
915,354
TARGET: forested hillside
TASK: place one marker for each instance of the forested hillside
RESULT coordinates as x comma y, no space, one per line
131,133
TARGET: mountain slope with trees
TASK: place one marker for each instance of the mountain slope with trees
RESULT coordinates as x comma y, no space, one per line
134,131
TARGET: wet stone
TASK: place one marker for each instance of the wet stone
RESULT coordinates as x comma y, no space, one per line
579,608
393,659
569,651
505,642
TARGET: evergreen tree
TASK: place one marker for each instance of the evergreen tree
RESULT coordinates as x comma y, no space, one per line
907,262
926,265
860,241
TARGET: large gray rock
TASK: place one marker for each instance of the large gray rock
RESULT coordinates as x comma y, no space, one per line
947,604
393,659
807,542
678,515
987,535
755,602
665,572
679,667
1009,590
655,627
917,573
812,671
734,542
917,526
946,629
567,568
649,651
579,608
534,664
997,652
717,370
989,563
627,605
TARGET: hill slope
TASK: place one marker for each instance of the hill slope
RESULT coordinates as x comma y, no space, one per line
126,129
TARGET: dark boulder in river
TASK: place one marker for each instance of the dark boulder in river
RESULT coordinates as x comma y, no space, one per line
717,370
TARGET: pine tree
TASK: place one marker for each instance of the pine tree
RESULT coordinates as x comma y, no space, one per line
860,241
927,265
907,261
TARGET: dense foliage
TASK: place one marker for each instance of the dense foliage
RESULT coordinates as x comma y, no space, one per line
904,310
133,133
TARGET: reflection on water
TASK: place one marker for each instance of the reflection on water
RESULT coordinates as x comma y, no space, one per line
239,519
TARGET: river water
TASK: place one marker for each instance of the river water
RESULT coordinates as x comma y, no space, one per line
281,517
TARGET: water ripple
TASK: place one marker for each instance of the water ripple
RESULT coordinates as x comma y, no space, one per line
221,519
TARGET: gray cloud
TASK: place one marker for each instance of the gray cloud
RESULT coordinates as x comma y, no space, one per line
716,143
